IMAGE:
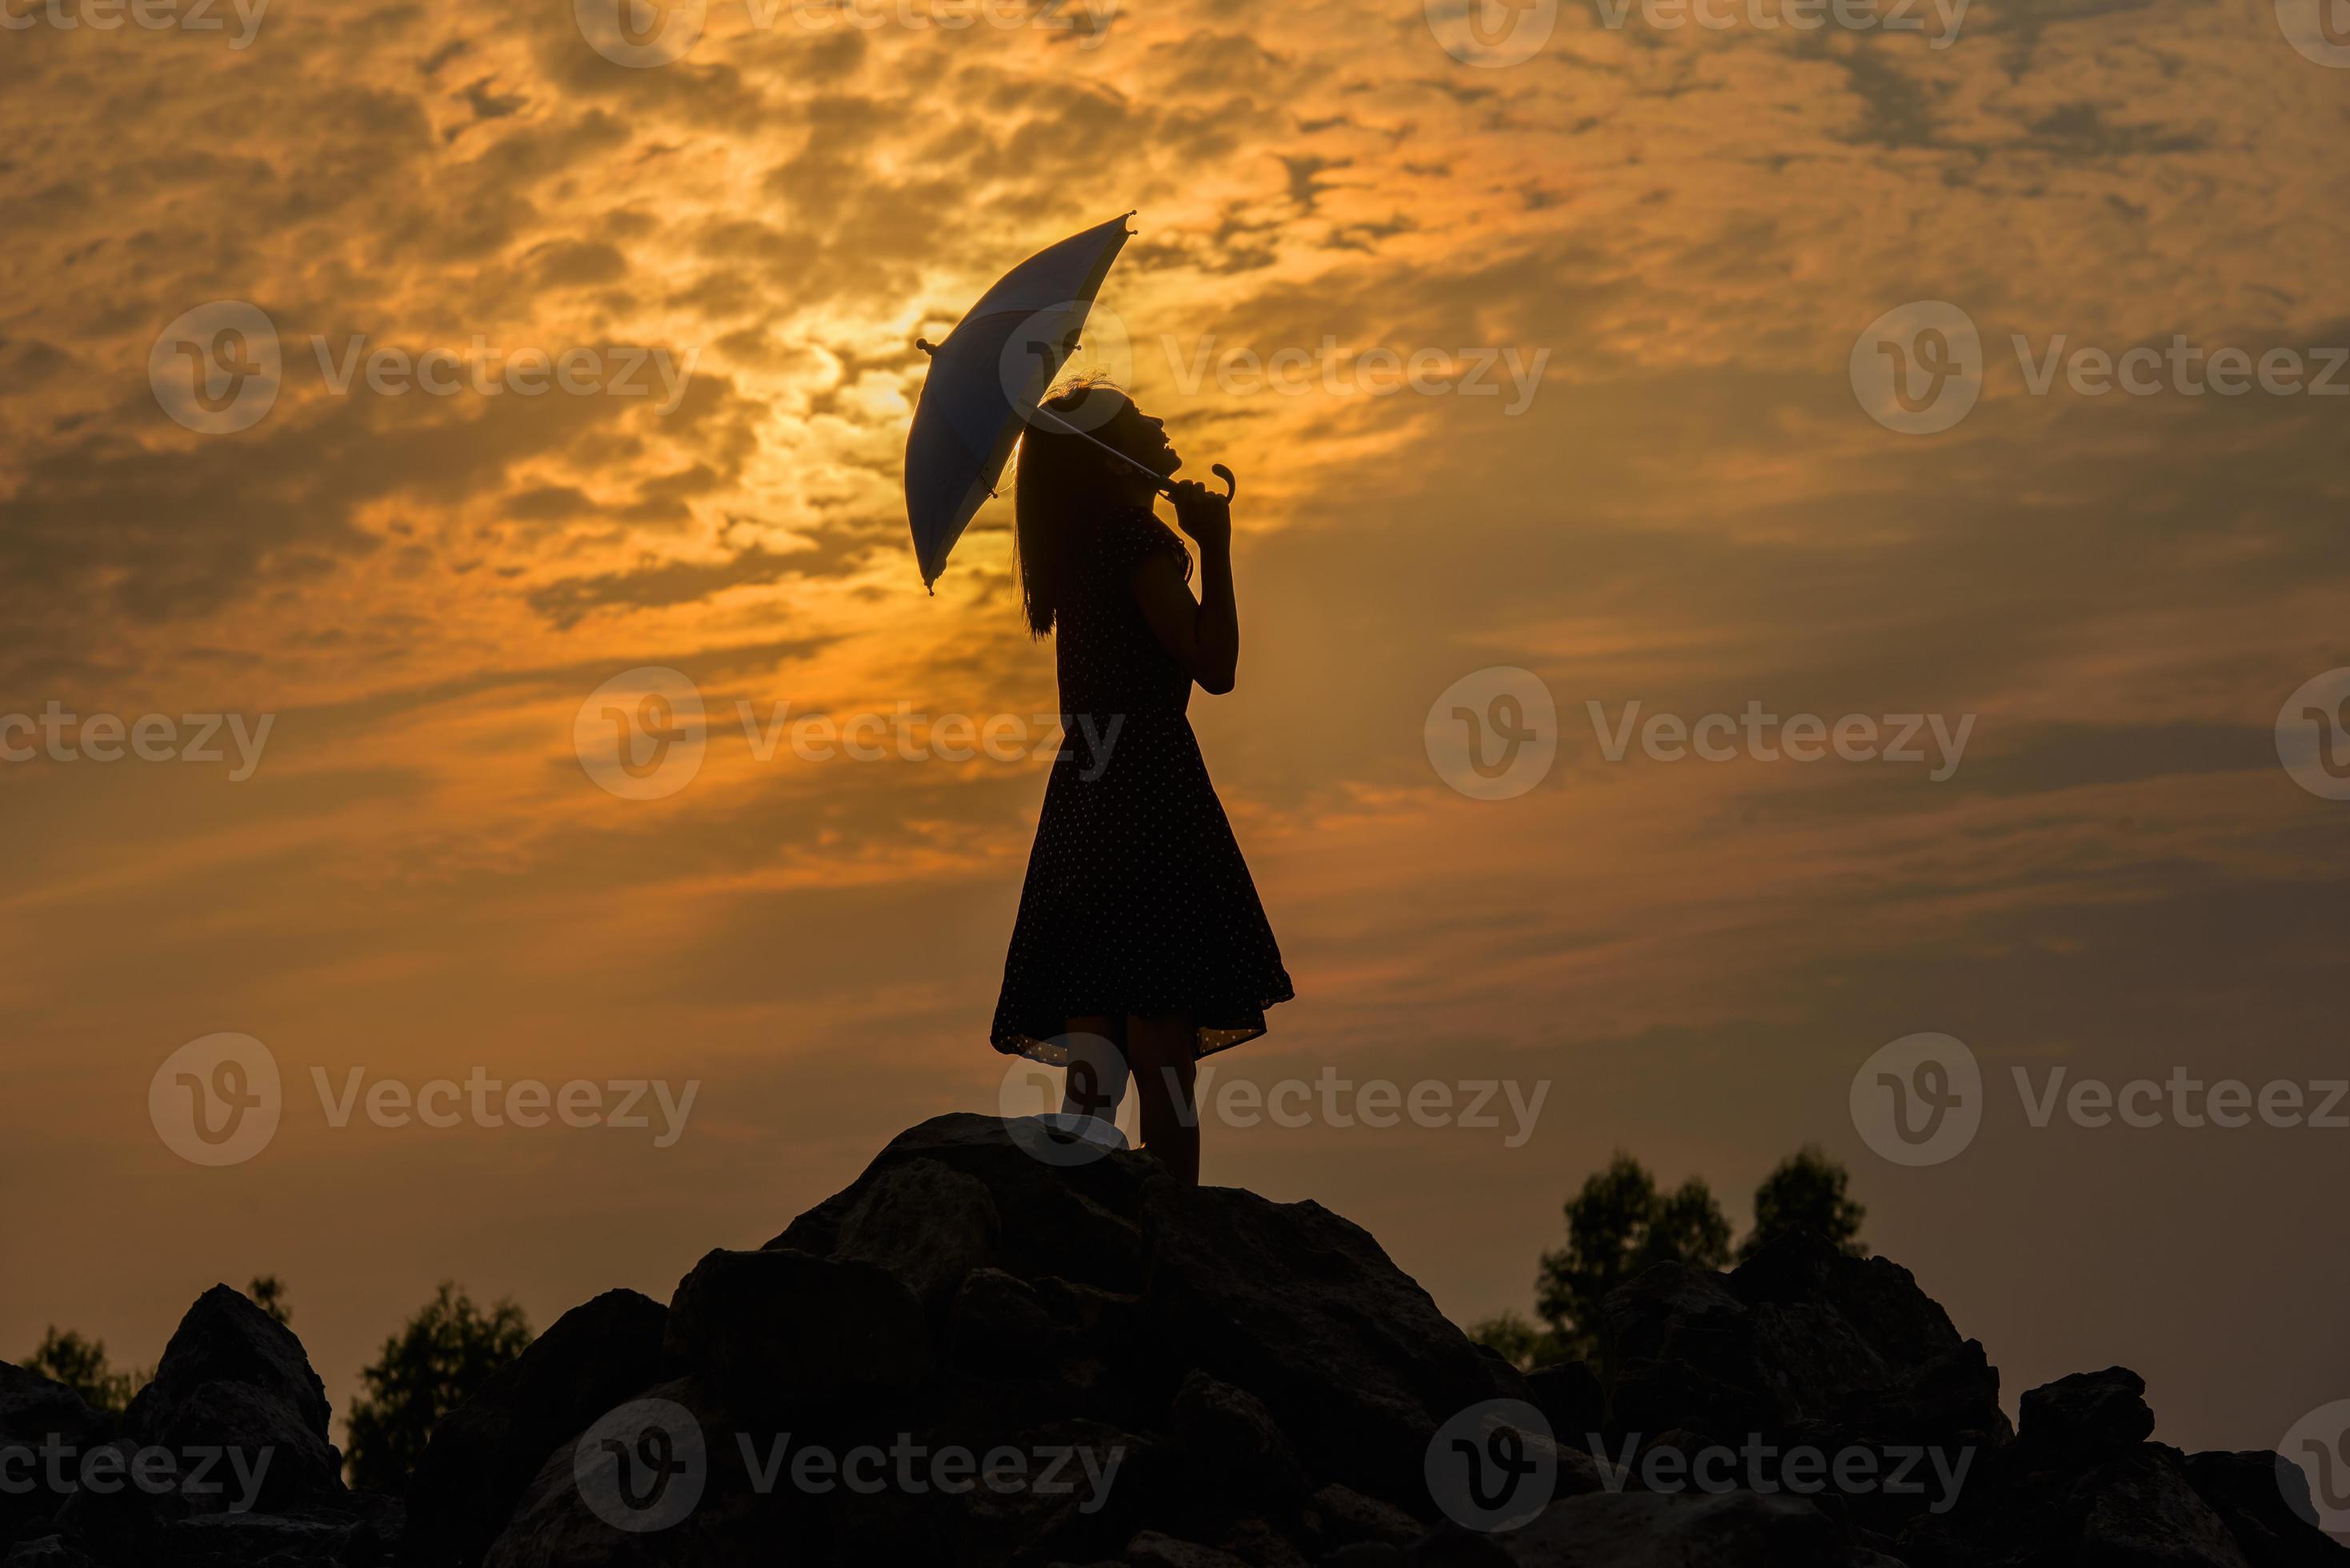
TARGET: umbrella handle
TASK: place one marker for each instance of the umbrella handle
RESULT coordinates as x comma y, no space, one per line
1232,486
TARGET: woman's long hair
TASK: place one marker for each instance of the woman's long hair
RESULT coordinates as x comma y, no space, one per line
1059,494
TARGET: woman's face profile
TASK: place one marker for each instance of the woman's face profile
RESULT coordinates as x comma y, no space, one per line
1141,438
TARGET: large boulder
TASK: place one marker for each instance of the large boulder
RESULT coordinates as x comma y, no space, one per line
1078,1221
232,1376
2264,1500
1304,1309
787,1331
484,1454
228,1460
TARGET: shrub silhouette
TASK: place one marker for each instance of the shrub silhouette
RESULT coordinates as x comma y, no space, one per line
430,1367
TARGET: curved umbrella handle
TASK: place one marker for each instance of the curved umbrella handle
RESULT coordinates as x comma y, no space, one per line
1232,486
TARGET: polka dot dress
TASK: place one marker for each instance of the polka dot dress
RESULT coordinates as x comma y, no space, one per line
1137,899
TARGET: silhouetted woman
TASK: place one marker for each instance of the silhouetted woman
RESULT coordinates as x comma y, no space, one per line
1138,924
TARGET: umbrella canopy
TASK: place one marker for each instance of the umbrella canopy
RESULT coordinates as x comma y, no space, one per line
988,378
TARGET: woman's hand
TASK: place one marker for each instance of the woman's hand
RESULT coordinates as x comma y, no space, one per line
1202,514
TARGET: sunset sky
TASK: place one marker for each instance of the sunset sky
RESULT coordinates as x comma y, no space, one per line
1677,235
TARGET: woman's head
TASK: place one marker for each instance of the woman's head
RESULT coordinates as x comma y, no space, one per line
1066,482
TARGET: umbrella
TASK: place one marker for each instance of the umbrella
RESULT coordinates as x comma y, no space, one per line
987,379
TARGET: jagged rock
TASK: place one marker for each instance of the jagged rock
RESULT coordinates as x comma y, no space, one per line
484,1455
1657,1530
234,1377
1078,1222
47,1552
1570,1398
2264,1500
1801,1347
1347,1518
2146,1512
2086,1416
230,1433
1302,1308
925,1222
1150,1549
707,1509
781,1327
1231,1437
1642,1529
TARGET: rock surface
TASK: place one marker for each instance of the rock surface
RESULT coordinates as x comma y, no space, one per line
976,1355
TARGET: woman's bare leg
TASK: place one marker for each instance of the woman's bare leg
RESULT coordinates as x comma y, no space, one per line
1096,1080
1165,1054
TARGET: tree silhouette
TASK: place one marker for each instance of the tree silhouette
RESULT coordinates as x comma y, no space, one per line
1806,1193
1620,1225
81,1366
433,1365
268,1293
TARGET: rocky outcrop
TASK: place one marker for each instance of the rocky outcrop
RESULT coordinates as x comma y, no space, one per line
995,1348
222,1460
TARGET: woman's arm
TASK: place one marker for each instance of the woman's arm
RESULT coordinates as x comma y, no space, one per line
1202,636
